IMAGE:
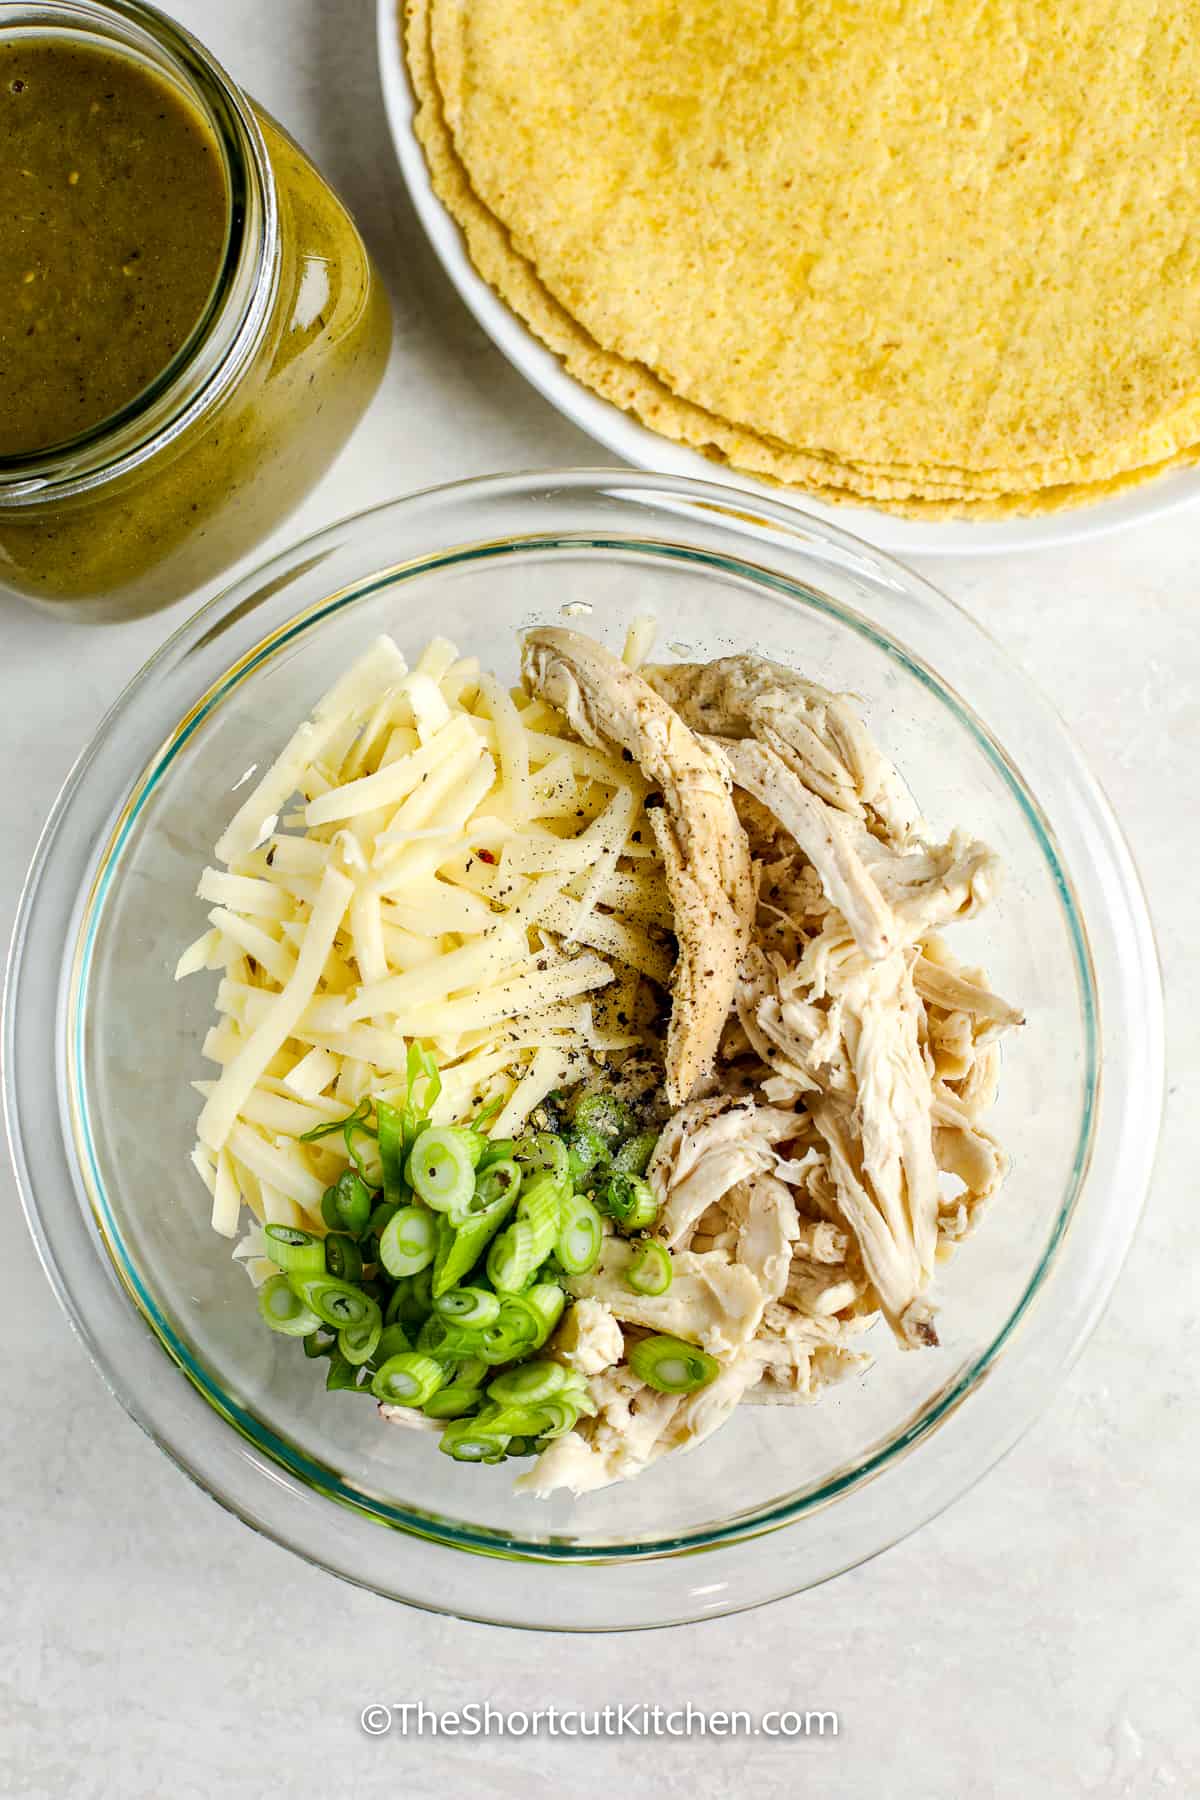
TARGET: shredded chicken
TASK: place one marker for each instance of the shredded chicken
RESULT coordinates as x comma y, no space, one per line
765,1215
824,835
706,859
589,1339
621,1440
845,1153
822,737
705,1151
712,1301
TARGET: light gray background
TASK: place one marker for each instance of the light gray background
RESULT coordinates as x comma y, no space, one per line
1039,1639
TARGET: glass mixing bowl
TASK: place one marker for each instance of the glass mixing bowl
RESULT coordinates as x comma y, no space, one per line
101,1047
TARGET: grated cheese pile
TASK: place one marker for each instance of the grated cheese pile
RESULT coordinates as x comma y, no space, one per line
431,858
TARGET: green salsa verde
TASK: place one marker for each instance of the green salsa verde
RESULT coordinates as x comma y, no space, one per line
115,210
151,530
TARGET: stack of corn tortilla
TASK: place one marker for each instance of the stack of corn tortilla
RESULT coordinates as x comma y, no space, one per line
937,256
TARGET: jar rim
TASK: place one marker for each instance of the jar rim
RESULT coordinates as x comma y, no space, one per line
235,316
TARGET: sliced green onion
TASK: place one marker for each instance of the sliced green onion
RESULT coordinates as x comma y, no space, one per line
324,1130
408,1379
547,1418
529,1240
409,1241
580,1394
543,1154
296,1252
494,1149
529,1382
358,1343
347,1206
587,1148
671,1366
336,1303
471,1440
393,1341
453,1402
352,1121
606,1116
470,1371
502,1346
546,1302
320,1342
470,1306
526,1321
285,1310
580,1235
630,1200
487,1113
449,1342
513,1257
422,1068
411,1299
540,1203
353,1124
651,1271
634,1155
458,1253
441,1167
509,1421
499,1180
343,1259
553,1417
390,1125
382,1213
514,1334
343,1375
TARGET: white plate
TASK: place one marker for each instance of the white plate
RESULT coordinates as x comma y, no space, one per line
620,433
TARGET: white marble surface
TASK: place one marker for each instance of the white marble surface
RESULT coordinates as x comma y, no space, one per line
1037,1640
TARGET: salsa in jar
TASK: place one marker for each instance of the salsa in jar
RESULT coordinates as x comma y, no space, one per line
190,324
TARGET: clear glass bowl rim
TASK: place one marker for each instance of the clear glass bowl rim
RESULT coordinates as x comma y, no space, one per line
243,630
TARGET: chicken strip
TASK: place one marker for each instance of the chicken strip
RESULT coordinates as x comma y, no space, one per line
825,836
698,1415
705,1150
706,856
623,1438
765,1215
930,884
823,739
711,1301
941,982
688,1133
589,1338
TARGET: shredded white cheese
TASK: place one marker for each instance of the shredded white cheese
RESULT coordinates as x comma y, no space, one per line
451,867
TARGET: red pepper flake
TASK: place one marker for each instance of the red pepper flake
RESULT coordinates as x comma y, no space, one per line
485,856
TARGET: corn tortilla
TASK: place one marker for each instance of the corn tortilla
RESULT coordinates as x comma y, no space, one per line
954,234
633,389
917,491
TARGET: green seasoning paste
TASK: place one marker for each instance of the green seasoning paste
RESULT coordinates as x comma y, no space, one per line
115,210
119,282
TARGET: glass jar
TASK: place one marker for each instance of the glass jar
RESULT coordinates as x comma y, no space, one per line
156,500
